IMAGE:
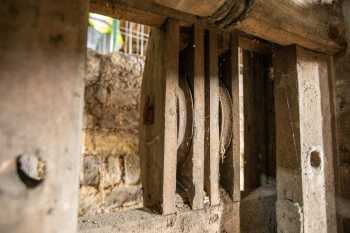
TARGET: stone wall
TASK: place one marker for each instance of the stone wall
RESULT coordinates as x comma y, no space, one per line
110,170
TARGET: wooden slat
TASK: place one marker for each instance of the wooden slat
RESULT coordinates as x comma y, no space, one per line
236,115
212,121
197,153
304,142
191,159
171,63
158,131
230,166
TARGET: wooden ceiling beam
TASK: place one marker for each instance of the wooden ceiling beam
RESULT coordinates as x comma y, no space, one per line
285,22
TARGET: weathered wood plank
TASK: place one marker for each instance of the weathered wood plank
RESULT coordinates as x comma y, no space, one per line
236,115
212,157
197,152
127,12
284,22
255,45
144,12
196,7
171,63
230,166
279,21
42,70
158,128
191,151
304,142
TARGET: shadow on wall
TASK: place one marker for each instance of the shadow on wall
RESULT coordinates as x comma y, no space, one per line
110,171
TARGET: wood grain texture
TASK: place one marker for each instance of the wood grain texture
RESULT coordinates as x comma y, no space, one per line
236,110
171,63
197,152
212,157
158,128
230,165
285,22
196,7
42,69
303,126
128,12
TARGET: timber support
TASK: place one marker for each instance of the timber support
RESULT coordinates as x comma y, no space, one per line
244,117
280,21
42,93
304,142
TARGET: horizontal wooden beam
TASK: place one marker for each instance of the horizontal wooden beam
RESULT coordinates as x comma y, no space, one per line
285,22
139,11
201,8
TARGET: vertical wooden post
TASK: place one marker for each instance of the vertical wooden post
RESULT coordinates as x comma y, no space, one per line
158,131
42,66
197,152
171,64
236,112
305,183
212,121
230,176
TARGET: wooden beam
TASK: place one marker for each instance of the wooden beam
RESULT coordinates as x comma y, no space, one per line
141,11
212,157
158,130
197,152
191,150
42,70
255,45
283,22
304,142
279,21
128,12
236,117
202,8
230,165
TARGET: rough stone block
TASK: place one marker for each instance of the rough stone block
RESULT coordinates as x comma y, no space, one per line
111,166
132,169
91,175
